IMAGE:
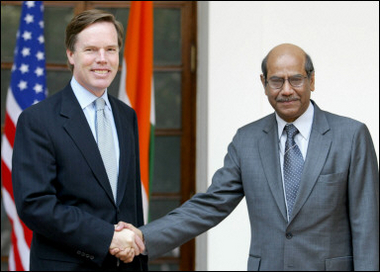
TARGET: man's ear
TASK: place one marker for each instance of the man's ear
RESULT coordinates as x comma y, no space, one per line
262,78
70,56
312,82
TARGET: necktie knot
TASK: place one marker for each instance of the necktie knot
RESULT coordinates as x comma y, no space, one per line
291,131
100,103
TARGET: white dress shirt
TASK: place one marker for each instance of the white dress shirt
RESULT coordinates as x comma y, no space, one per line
86,100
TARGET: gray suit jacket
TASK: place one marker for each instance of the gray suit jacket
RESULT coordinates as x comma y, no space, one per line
335,219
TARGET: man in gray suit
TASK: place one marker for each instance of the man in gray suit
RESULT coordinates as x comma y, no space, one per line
332,223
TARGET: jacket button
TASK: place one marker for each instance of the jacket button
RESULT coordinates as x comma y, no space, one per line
289,235
79,252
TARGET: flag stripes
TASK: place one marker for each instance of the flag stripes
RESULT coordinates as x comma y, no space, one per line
136,85
28,86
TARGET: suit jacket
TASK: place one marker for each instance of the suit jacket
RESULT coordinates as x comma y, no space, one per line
335,219
61,188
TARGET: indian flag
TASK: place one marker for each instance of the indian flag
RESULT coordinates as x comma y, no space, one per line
136,86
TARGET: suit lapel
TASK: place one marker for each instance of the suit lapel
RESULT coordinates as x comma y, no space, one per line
122,132
268,149
319,146
79,130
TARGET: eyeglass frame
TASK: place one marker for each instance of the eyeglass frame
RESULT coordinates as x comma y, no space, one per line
284,79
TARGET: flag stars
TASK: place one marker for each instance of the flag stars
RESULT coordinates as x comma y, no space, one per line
29,19
41,39
38,88
39,71
25,52
22,85
30,4
24,68
40,55
28,78
27,35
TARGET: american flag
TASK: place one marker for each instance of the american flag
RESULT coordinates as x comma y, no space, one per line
28,86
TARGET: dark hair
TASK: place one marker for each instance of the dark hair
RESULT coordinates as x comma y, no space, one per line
83,20
309,67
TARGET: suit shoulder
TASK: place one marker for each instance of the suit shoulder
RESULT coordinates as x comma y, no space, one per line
258,125
43,107
342,127
121,105
337,121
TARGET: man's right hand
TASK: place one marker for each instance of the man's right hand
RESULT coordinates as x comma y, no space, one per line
124,244
127,242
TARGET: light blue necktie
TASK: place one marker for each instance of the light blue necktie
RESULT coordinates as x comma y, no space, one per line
106,144
293,166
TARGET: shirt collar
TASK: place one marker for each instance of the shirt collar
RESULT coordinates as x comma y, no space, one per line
86,98
302,123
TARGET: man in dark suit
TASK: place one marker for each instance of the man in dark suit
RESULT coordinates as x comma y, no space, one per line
317,209
70,186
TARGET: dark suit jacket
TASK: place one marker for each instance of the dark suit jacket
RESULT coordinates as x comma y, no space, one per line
335,220
61,188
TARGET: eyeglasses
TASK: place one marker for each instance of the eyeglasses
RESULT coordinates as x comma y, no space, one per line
278,82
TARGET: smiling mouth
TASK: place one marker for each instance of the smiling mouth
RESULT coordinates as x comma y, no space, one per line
102,72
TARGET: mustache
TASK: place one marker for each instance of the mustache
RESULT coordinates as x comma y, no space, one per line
287,99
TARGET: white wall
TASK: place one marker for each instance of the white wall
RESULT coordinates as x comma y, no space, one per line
342,38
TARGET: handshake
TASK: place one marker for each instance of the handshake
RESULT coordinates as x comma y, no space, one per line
127,242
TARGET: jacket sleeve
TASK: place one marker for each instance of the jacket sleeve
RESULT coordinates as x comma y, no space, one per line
363,193
202,212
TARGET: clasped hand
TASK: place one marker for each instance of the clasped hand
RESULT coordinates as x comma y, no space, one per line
127,242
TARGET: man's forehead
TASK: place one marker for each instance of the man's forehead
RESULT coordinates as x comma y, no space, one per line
286,56
103,32
284,50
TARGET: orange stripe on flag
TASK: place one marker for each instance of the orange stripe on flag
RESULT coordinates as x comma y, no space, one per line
138,57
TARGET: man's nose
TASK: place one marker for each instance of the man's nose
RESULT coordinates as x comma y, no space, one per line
287,89
101,56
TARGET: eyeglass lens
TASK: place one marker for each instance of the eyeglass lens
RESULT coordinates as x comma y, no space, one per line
278,82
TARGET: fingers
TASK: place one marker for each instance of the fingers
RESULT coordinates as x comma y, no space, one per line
114,251
124,239
121,225
139,240
135,247
129,226
129,244
127,255
139,243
